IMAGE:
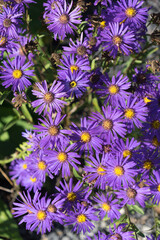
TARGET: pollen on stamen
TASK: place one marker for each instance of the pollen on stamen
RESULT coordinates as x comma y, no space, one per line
107,124
53,130
147,165
71,196
119,171
117,40
106,207
42,165
155,124
103,24
64,19
62,156
24,166
158,188
41,215
51,208
127,153
85,137
131,193
130,12
129,113
101,171
17,74
73,84
113,89
81,218
3,40
33,179
49,97
74,68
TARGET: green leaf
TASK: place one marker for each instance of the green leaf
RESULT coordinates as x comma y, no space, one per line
3,96
96,105
8,226
136,230
76,174
136,208
10,124
26,112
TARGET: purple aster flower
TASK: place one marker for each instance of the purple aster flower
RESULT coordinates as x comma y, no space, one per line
96,171
115,89
76,83
151,127
111,124
81,217
97,78
120,171
119,233
9,21
49,99
62,158
118,38
29,135
50,132
107,205
15,74
126,148
21,3
6,44
18,169
31,183
61,20
50,6
155,186
101,236
86,136
133,194
132,13
134,111
73,65
80,48
71,194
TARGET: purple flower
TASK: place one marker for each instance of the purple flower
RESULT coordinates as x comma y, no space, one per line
120,171
111,124
9,21
134,194
18,170
31,183
118,38
119,233
155,186
15,74
86,136
107,205
101,236
115,89
61,20
81,217
50,132
49,99
62,158
6,43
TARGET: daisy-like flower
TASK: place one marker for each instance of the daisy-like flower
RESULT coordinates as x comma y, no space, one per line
132,13
50,132
61,20
6,44
76,83
35,213
49,99
81,217
126,148
86,136
22,3
115,89
96,171
118,38
134,112
14,73
80,48
110,123
119,233
50,6
120,171
101,236
62,158
10,20
151,127
69,63
155,187
71,194
134,194
107,205
31,183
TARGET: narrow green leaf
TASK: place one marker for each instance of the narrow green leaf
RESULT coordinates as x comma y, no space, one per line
76,174
136,208
26,112
10,124
3,96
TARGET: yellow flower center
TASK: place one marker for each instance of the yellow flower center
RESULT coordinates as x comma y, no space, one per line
3,40
155,142
41,215
17,74
113,89
53,130
146,100
155,124
101,171
107,124
64,18
42,165
129,113
51,208
103,24
74,68
81,218
117,40
62,156
73,84
85,137
33,179
127,153
71,196
119,171
106,207
147,165
49,97
130,12
158,188
24,166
